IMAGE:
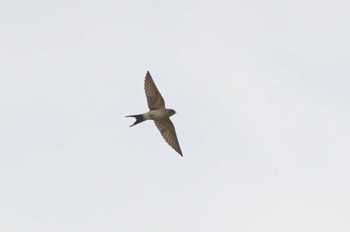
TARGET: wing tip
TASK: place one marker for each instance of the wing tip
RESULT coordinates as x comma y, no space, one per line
177,149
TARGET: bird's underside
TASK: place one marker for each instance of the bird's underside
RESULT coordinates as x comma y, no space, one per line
158,113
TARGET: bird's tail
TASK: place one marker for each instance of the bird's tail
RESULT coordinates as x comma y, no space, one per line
139,118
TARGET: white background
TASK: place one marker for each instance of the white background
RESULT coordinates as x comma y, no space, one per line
261,90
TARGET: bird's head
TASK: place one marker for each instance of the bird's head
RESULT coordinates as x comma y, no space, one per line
171,112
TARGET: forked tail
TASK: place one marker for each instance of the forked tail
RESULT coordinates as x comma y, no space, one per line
139,118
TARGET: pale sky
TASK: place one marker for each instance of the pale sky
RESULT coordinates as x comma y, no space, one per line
262,94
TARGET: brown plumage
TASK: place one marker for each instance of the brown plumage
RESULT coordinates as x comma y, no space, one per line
159,114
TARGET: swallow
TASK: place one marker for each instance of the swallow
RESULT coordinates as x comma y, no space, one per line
158,113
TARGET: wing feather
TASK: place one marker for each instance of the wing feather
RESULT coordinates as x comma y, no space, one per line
167,129
154,98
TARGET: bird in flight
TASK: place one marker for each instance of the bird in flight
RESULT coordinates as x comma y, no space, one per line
158,113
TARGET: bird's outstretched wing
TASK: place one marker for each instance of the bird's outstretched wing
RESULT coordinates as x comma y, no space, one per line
154,98
167,129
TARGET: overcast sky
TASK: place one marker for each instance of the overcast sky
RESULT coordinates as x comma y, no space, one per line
262,94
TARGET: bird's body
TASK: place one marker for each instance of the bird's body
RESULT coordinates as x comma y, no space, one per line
158,113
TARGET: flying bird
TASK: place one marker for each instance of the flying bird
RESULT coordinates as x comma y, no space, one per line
158,113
